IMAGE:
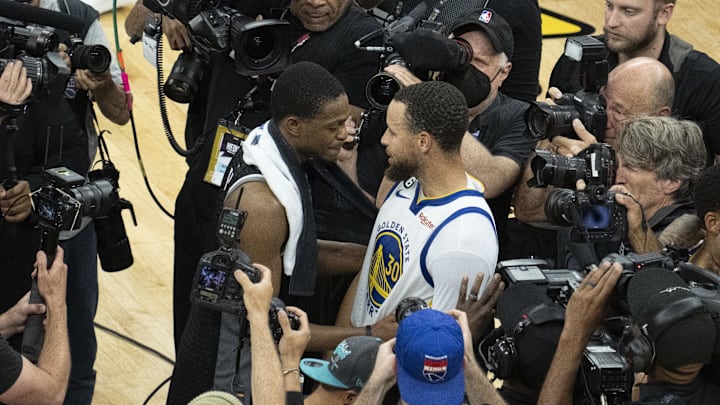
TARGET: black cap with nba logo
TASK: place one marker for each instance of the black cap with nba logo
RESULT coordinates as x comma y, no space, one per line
497,29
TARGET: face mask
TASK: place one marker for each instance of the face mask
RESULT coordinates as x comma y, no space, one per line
473,83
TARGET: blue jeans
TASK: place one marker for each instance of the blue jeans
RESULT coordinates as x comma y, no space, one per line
82,300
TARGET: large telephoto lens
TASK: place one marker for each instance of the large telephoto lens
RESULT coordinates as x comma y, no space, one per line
36,69
95,58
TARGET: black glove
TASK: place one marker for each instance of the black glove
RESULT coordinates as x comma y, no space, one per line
426,49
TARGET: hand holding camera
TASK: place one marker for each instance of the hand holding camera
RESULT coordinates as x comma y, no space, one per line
15,86
295,336
15,202
256,295
447,54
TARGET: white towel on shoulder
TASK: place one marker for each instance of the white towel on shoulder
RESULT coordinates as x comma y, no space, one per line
260,150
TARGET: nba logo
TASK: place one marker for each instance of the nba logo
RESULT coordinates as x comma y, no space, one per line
485,16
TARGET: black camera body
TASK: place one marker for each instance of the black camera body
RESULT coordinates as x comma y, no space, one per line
546,121
275,329
604,372
66,199
560,283
215,287
593,212
95,58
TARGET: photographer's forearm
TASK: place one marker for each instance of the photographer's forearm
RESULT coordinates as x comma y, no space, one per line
325,337
558,386
55,355
112,101
644,241
478,388
267,379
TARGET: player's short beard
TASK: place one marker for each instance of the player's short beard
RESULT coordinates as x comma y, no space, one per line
401,171
631,46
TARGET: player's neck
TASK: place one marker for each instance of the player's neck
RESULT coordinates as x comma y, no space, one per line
443,177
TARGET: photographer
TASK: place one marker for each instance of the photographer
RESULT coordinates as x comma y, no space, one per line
643,32
667,341
707,205
84,87
270,381
640,87
22,382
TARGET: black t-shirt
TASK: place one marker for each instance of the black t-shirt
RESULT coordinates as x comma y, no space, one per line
500,129
10,365
697,85
698,392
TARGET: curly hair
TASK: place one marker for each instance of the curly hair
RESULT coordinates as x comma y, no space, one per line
302,90
673,149
437,108
706,191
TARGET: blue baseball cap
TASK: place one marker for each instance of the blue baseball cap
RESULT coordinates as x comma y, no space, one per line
429,351
351,364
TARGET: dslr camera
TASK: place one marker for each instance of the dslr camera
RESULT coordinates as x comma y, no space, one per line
258,47
592,212
560,283
546,121
214,286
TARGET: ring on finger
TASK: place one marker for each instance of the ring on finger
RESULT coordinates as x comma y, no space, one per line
473,297
591,283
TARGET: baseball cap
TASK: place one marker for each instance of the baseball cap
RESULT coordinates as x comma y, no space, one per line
497,29
215,398
687,341
351,364
535,346
429,351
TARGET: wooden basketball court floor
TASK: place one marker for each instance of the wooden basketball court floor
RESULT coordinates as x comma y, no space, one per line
138,302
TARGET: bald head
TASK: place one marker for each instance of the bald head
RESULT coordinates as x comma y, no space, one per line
639,87
647,77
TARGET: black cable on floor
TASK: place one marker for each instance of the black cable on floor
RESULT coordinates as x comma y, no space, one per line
134,342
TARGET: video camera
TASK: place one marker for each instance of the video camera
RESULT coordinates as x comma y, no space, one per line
592,212
601,369
381,88
258,47
37,49
546,121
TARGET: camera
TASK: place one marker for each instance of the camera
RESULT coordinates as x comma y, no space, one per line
66,199
603,372
36,48
409,306
214,285
95,58
592,212
546,121
275,329
560,283
258,48
382,87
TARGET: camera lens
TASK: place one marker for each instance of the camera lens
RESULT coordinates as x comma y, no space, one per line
183,81
261,47
259,44
381,89
556,170
548,121
95,58
96,197
559,207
